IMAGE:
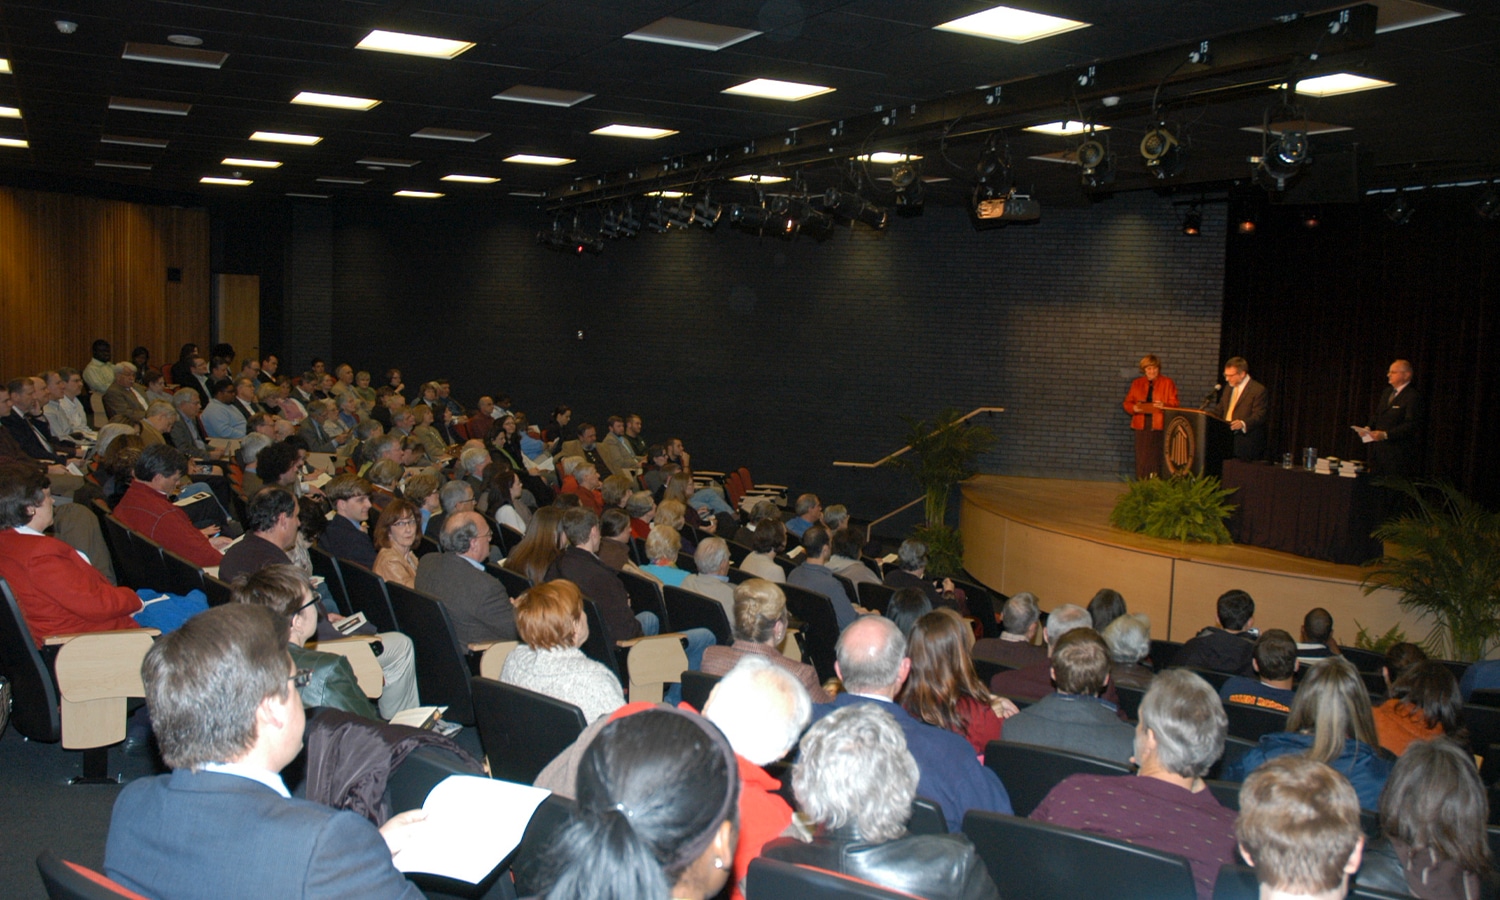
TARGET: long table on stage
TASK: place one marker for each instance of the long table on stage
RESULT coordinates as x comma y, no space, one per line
1297,511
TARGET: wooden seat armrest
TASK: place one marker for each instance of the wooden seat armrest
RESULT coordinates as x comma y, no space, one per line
347,639
481,646
646,637
53,640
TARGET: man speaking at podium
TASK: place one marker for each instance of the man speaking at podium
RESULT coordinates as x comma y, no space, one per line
1244,406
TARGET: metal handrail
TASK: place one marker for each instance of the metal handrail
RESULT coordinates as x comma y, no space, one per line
870,529
880,462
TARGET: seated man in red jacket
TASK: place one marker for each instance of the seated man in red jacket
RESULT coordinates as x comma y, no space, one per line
56,588
147,508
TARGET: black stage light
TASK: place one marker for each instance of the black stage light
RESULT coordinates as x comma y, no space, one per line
1163,152
707,213
1192,223
1400,211
851,206
1487,206
906,178
1285,159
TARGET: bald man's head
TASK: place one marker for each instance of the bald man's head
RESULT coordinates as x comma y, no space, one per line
872,657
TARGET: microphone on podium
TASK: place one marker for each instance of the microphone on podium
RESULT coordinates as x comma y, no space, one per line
1211,397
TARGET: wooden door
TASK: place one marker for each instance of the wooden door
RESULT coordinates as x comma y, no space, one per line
237,312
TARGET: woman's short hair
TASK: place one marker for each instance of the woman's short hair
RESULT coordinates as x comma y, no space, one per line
615,489
385,472
855,770
1150,359
23,488
906,606
711,555
395,511
281,588
670,514
758,605
1106,606
835,516
639,504
1435,802
912,555
1129,638
1431,689
419,487
761,708
654,789
1401,657
547,614
679,486
1333,704
769,536
663,543
267,390
1187,718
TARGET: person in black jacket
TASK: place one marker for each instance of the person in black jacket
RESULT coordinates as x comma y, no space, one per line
345,536
1229,647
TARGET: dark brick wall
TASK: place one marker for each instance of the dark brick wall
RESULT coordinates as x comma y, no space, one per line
783,356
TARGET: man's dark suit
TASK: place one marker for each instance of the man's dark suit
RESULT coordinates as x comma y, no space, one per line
1252,409
214,836
949,774
1400,417
475,599
20,428
600,584
343,539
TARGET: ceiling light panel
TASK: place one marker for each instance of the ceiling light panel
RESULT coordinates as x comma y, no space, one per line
159,107
885,157
4,66
330,179
771,89
213,179
428,195
1063,129
693,35
387,161
525,93
639,132
13,142
760,179
9,112
250,163
173,55
309,196
1339,83
532,159
1395,15
279,137
451,134
128,141
470,179
413,44
334,101
113,164
1014,26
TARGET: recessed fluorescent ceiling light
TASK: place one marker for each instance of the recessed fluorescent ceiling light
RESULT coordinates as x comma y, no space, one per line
633,131
527,194
1064,128
4,66
1302,125
1395,15
531,159
694,35
670,195
210,179
1338,83
426,194
334,101
160,107
9,112
525,93
760,179
413,44
329,179
277,137
185,40
128,141
1015,26
110,164
250,163
387,161
451,134
311,196
13,142
173,56
885,157
772,89
470,179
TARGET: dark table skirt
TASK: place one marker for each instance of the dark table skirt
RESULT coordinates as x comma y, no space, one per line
1301,512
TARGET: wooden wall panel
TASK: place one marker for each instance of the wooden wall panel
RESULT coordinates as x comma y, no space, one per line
73,269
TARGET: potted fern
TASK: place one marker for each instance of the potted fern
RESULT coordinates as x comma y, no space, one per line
1444,559
943,453
1183,508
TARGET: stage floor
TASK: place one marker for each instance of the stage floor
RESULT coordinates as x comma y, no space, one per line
1052,537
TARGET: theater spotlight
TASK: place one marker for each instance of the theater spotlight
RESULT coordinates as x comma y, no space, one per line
626,223
1096,164
1401,209
1487,206
1284,159
680,215
906,178
1163,152
749,217
851,206
1192,223
657,219
706,213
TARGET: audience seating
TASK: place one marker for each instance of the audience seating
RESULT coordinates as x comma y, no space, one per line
600,644
540,838
1364,660
1374,684
1234,748
493,659
1486,698
646,596
443,676
849,589
772,879
927,817
1039,861
129,555
988,668
368,594
738,576
361,657
425,545
521,730
819,626
1457,668
1251,722
1163,653
686,562
506,538
689,610
981,603
409,784
1130,701
1214,678
638,552
1237,882
327,566
654,662
65,880
182,576
1483,723
1226,792
737,552
696,686
515,584
217,590
874,597
1029,772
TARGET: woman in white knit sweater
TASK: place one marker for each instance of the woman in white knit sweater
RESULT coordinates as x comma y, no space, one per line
551,625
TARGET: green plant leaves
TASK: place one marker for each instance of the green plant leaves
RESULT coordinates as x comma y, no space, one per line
1185,508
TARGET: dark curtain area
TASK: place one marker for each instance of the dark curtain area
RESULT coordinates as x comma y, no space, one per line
1320,314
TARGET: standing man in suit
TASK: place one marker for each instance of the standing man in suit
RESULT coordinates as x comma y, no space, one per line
1245,407
1397,425
475,599
222,825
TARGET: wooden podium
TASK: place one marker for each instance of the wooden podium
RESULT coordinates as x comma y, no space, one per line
1195,441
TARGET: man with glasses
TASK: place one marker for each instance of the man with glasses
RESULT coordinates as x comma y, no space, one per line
222,825
475,600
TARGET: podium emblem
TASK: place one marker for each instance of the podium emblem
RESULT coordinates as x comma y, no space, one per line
1181,446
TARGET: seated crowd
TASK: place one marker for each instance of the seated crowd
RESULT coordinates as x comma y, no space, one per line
244,475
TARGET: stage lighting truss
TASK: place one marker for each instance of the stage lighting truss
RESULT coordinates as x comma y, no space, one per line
619,223
574,242
850,205
1163,151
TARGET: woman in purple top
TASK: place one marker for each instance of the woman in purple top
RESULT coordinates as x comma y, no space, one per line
1166,805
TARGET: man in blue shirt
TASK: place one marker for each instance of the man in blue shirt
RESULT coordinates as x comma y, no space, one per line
1275,663
219,418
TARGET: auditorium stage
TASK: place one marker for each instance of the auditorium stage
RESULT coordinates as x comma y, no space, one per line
1052,537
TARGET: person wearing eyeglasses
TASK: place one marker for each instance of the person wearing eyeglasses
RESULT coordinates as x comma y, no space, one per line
323,679
395,535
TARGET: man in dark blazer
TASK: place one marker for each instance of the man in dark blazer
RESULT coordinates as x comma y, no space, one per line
1397,425
345,536
1244,405
222,825
476,601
